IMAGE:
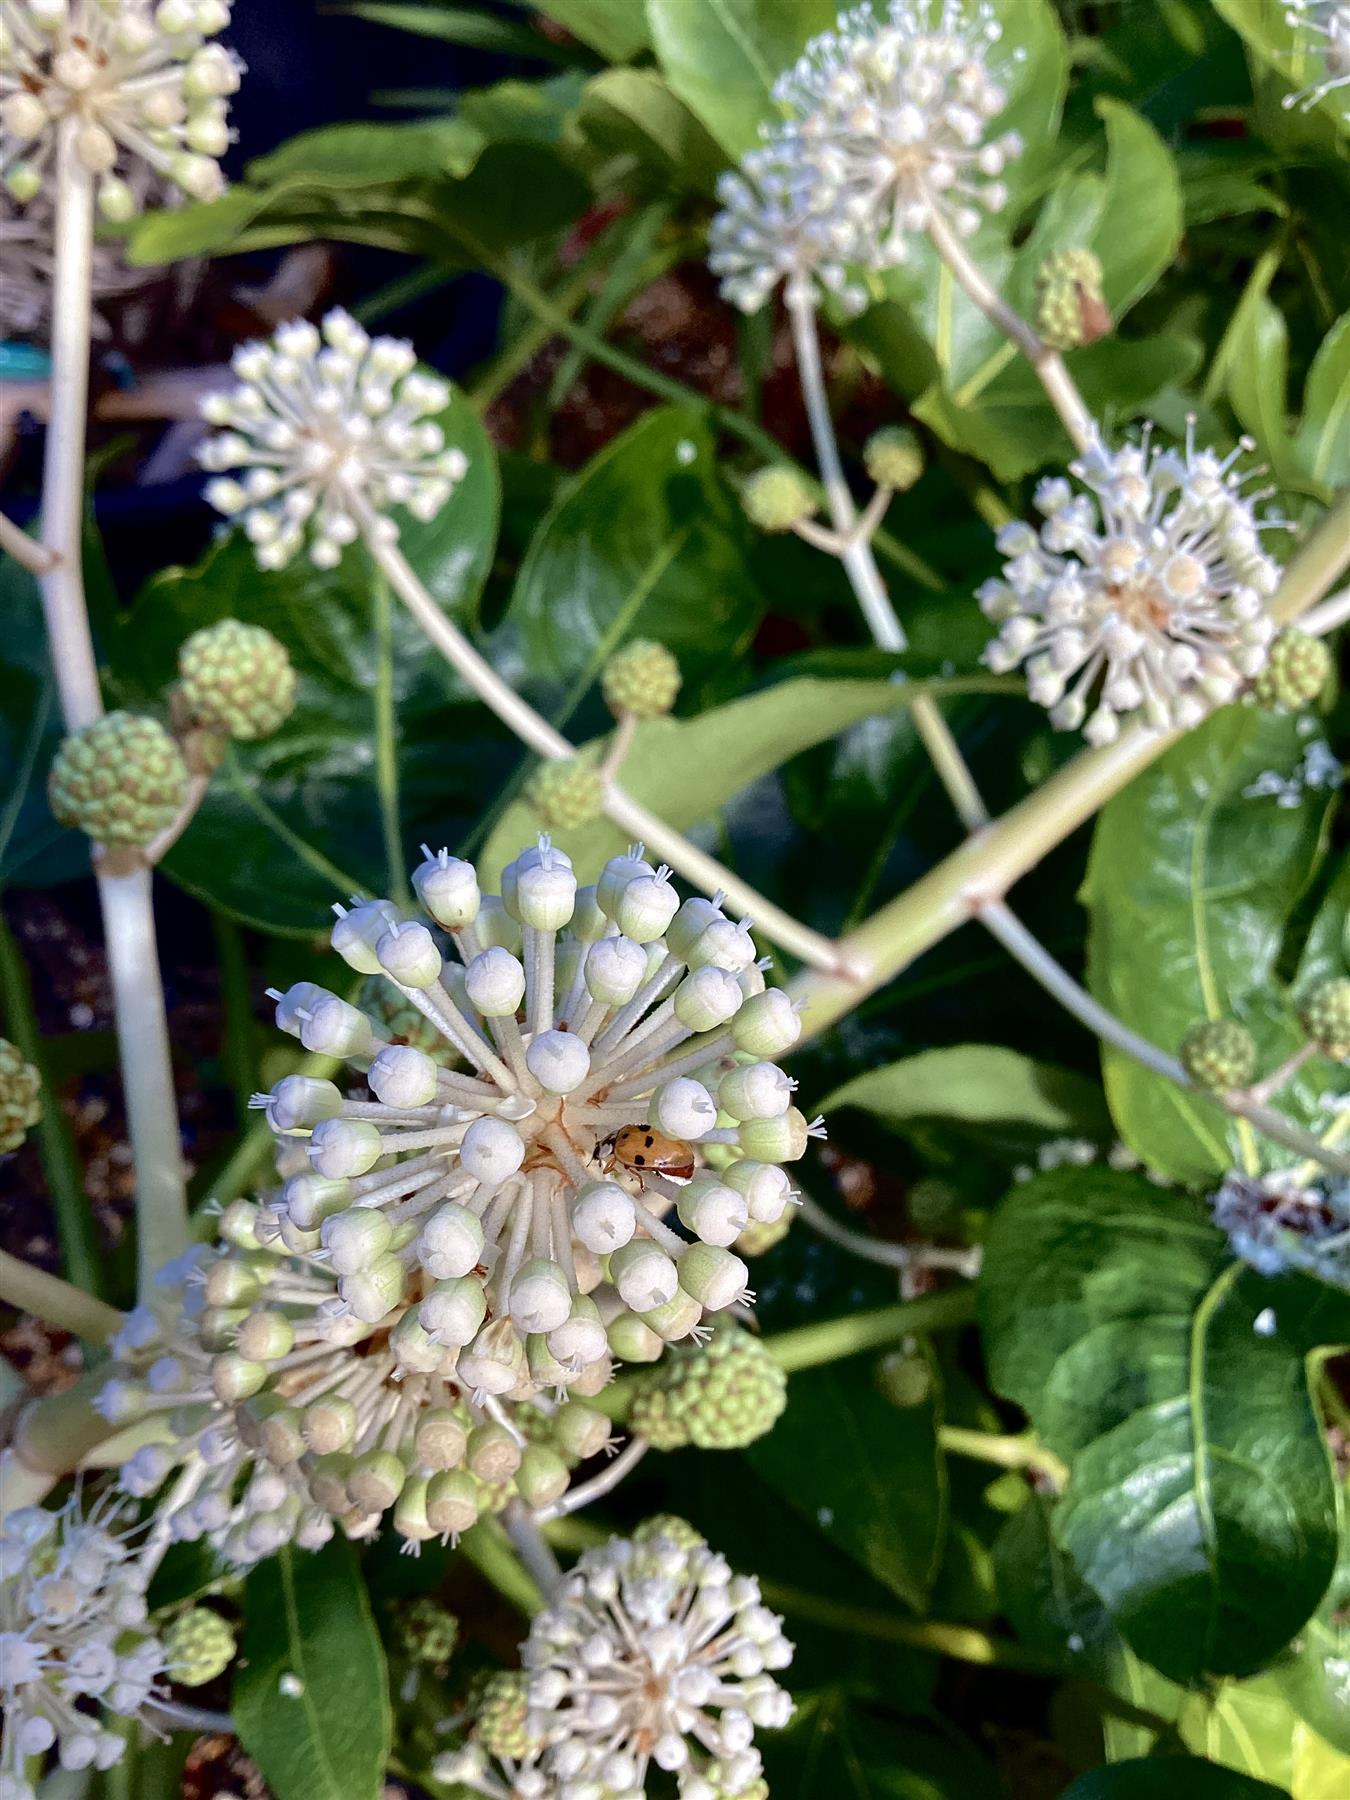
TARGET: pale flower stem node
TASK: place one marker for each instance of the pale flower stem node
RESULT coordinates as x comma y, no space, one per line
329,431
1145,596
139,82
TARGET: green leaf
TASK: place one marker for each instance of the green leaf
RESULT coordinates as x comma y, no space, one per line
372,152
1290,53
616,28
1257,346
294,822
688,769
308,1629
1169,1778
460,25
1323,439
722,57
645,542
1200,1506
837,1750
992,1090
633,112
866,1473
1190,887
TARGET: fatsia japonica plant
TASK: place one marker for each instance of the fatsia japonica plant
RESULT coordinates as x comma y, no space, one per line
726,939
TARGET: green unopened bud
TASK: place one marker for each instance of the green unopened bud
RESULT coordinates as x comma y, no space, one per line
758,1239
501,1714
905,1377
410,1512
425,1633
777,498
328,1482
281,1436
1297,670
1326,1017
720,1396
237,680
779,1140
581,1431
567,794
894,458
493,1453
329,1424
1219,1054
542,1476
1071,309
266,1337
235,1378
122,780
376,1480
643,679
198,1646
20,1096
713,1276
632,1341
673,1528
440,1439
453,1501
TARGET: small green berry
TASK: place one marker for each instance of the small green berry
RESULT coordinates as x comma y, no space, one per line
122,779
501,1716
567,794
1219,1054
777,497
643,679
894,458
720,1396
20,1096
905,1377
1071,308
237,680
669,1525
1326,1017
198,1646
425,1632
1297,670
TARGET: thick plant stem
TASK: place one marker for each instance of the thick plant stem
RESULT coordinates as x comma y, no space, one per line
58,1302
586,1493
1004,1452
965,1643
1059,385
522,1528
620,807
489,1549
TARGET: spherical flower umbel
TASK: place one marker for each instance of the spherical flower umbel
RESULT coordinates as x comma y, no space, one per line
721,1395
1325,25
328,429
888,130
137,82
236,680
121,780
1145,596
655,1653
20,1096
75,1648
609,1034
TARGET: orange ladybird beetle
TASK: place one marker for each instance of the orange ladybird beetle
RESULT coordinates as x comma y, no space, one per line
648,1152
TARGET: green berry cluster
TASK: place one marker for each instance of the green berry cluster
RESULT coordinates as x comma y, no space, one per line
1219,1054
1297,670
777,497
1071,309
198,1646
401,1022
894,458
1326,1016
720,1396
567,794
671,1526
20,1096
122,779
425,1632
501,1716
643,679
237,680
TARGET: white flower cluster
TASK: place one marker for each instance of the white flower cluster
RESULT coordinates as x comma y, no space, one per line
611,1041
887,129
1276,1224
138,79
27,260
654,1652
1149,592
1327,27
74,1644
328,428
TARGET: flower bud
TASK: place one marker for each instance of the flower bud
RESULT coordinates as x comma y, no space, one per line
567,793
497,930
493,1454
615,877
301,997
546,896
334,1028
632,1341
282,1437
448,889
683,1109
355,1238
581,1431
766,1188
757,1090
375,1290
495,1361
413,1347
559,1061
492,1151
777,497
230,1281
540,1299
440,1439
358,931
580,1340
451,1242
265,1337
783,1139
299,1102
644,1275
408,955
452,1502
495,983
453,1312
543,1476
615,969
543,855
714,1277
342,1148
645,908
677,1319
375,1481
767,1024
589,924
707,998
714,1212
410,1512
643,679
311,1199
1219,1054
234,1377
328,1425
894,458
328,1482
403,1077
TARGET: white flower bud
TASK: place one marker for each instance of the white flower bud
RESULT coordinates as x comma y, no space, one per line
615,969
355,1238
546,896
540,1299
644,1275
724,944
782,1139
766,1188
310,1199
299,999
495,983
707,998
375,1290
614,878
767,1024
334,1028
559,1061
603,1216
451,1242
714,1212
495,1361
453,1312
714,1277
645,908
542,855
683,1109
408,954
448,888
413,1347
299,1102
403,1077
342,1148
491,1151
359,930
755,1091
581,1339
589,924
689,925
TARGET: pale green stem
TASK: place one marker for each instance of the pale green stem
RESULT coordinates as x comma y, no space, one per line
58,1302
523,1530
490,1551
1005,1452
904,1257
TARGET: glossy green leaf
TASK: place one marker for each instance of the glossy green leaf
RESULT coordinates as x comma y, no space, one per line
634,112
1324,434
1190,887
835,1749
1200,1506
294,822
618,29
879,1492
310,1698
372,152
1169,1778
1258,371
460,25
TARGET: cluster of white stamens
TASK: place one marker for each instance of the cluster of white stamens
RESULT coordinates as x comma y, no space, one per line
1327,25
74,1644
136,80
1149,593
328,428
887,128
